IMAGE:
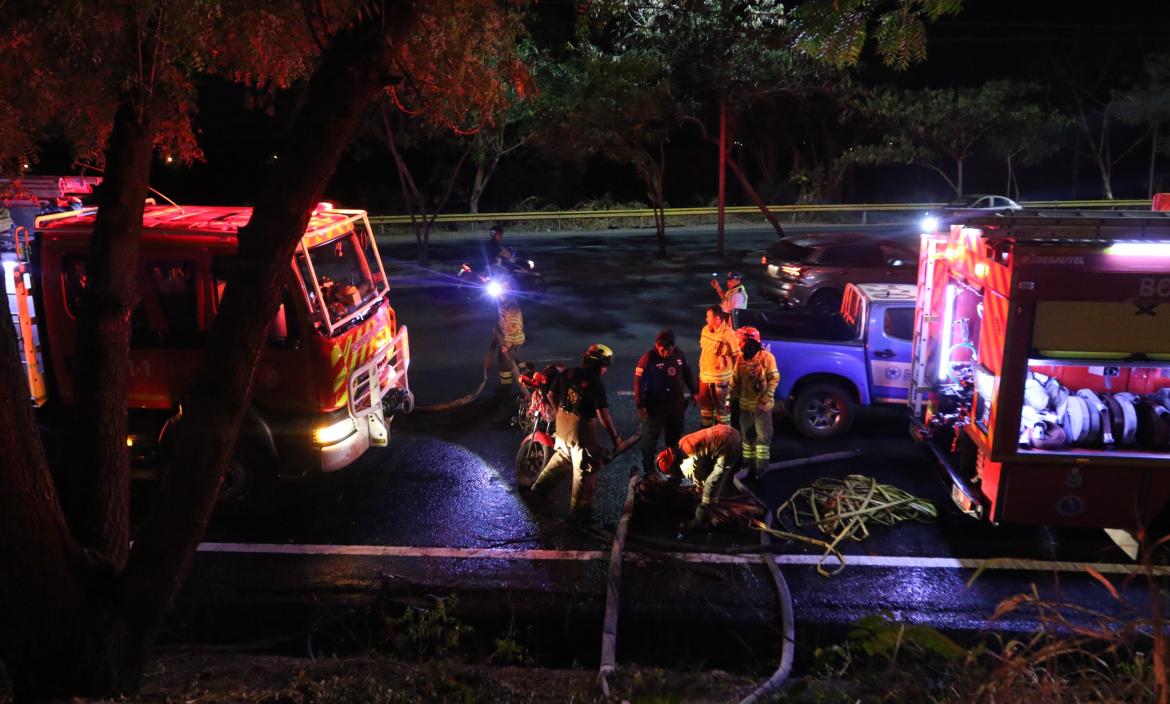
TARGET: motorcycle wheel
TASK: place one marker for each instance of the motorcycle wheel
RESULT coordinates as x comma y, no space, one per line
530,459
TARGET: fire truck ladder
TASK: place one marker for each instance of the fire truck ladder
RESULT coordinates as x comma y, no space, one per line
920,380
24,320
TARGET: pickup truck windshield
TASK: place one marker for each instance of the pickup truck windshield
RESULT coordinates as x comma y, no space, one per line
344,278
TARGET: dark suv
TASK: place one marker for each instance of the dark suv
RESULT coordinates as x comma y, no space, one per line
811,270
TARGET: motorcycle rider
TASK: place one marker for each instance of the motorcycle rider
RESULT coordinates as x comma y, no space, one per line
582,401
718,350
754,384
495,253
659,378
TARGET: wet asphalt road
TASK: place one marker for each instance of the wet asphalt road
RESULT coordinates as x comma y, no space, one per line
447,479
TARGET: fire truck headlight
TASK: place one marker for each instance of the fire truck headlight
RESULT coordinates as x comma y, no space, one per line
334,432
929,223
495,289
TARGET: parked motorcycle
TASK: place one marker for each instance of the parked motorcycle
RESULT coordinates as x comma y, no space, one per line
537,420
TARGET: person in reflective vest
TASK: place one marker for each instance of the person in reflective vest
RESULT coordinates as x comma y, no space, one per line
718,350
507,338
582,402
754,385
704,457
736,294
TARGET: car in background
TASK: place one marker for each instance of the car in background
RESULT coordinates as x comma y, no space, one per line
810,271
980,204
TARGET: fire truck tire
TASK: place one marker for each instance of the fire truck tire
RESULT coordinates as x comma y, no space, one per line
826,300
530,459
238,480
823,410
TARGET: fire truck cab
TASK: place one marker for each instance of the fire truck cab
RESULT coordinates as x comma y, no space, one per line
1041,366
330,378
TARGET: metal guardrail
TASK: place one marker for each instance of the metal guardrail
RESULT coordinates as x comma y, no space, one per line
862,208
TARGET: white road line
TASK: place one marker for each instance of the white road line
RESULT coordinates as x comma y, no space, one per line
697,557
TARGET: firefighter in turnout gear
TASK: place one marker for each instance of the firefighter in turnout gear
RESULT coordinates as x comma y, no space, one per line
659,381
704,457
582,402
736,294
718,350
507,338
754,385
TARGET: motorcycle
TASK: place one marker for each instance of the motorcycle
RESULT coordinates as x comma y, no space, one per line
537,420
508,274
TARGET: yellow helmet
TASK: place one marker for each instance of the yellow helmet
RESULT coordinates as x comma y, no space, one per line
601,354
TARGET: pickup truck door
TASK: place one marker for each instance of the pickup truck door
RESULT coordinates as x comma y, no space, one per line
887,349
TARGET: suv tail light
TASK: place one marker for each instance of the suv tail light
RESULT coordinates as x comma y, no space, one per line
764,260
793,270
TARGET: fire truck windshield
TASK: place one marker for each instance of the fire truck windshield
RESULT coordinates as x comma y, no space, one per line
344,278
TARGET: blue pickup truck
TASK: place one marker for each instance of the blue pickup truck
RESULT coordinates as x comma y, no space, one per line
832,363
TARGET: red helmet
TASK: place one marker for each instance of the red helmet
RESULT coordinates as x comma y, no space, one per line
748,331
665,460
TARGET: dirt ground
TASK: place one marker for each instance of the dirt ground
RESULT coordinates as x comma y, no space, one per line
190,678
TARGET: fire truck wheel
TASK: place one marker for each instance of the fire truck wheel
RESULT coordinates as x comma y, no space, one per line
530,459
237,481
823,410
825,301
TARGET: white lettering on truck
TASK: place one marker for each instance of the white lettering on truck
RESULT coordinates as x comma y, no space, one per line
1154,288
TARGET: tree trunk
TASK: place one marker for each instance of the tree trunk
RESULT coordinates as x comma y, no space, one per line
96,488
959,176
660,203
482,174
415,201
759,202
721,218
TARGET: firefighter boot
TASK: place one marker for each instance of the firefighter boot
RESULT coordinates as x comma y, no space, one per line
702,520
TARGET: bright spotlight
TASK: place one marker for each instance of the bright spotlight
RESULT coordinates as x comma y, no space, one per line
495,289
929,223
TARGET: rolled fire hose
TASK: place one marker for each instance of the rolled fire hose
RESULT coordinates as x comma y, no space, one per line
464,400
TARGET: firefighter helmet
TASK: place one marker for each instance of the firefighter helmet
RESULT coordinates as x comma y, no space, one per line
601,354
666,459
748,332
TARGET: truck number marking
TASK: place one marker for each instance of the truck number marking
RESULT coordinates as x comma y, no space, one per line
1154,288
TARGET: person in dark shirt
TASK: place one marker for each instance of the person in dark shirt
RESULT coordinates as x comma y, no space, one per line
659,381
582,402
494,251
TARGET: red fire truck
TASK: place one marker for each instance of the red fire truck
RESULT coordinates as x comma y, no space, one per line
331,376
1041,366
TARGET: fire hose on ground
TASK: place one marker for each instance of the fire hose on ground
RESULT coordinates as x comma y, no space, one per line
468,398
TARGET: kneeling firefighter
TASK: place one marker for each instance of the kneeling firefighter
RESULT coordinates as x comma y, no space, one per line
704,457
581,402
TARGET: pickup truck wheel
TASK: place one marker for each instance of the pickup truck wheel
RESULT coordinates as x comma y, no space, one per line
823,410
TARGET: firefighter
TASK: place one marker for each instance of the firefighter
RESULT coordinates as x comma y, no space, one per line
718,350
704,457
582,402
507,338
754,385
736,294
659,379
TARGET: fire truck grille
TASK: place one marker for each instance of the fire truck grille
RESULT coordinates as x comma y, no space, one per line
360,389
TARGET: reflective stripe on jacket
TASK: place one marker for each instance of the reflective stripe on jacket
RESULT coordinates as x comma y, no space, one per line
755,381
511,324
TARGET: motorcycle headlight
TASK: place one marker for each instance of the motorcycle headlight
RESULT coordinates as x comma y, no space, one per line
495,289
531,264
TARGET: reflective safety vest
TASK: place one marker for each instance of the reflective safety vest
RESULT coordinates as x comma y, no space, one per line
735,298
511,324
755,381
